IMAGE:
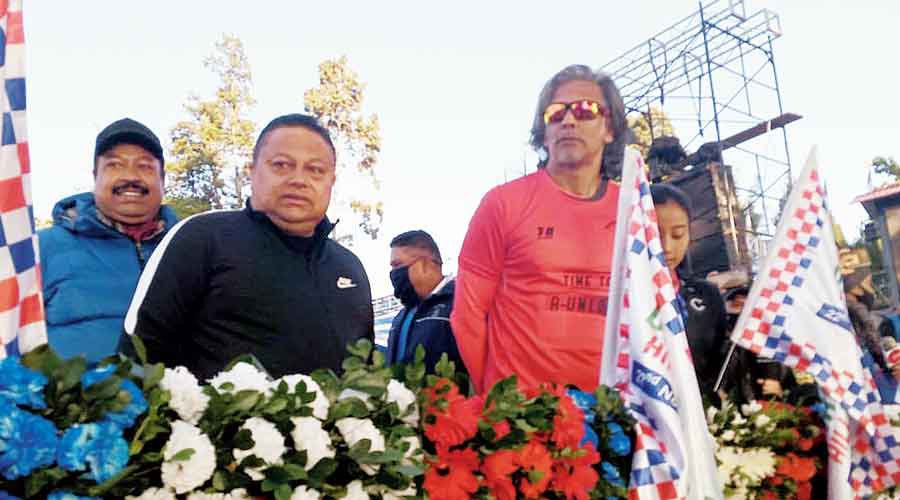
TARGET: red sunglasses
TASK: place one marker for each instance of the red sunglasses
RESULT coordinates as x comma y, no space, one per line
582,110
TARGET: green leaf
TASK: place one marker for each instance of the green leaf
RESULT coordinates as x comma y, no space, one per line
243,440
139,348
42,359
183,455
410,470
283,492
152,375
106,389
359,450
275,406
350,407
102,488
244,401
322,470
68,373
38,480
445,367
219,482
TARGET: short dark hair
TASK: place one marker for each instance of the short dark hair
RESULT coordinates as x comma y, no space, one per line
665,193
292,120
614,152
418,239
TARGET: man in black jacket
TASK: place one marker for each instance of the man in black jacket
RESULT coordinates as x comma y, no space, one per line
265,280
427,297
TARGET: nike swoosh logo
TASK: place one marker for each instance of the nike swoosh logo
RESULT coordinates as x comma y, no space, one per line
343,282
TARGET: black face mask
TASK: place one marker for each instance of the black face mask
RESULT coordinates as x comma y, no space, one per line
403,288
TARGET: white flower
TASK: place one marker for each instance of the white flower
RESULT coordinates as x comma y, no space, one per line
304,493
728,435
398,495
239,494
362,396
354,430
243,376
751,407
355,491
414,446
187,398
268,444
154,494
309,435
711,413
186,475
758,463
738,419
400,394
762,421
319,405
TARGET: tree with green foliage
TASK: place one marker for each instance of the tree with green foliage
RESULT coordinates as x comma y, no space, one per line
213,148
886,165
337,102
648,126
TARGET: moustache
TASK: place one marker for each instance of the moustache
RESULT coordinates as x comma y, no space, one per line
139,186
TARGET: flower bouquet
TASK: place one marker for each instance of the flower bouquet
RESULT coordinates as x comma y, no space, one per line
767,450
544,442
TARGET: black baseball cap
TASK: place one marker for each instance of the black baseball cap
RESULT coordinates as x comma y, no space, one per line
128,131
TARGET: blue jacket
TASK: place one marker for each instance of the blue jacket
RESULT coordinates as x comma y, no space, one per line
89,273
429,328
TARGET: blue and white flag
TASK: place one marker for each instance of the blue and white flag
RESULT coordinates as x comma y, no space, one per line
796,314
646,356
22,326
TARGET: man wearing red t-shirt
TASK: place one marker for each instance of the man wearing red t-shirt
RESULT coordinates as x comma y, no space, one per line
534,270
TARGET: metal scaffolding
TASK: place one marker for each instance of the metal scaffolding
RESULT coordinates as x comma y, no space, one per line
713,74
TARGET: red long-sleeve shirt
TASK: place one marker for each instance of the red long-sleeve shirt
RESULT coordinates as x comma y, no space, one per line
533,284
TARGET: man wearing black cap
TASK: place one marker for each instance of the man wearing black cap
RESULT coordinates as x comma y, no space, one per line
93,255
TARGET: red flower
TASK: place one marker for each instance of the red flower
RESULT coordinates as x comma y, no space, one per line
804,490
497,469
537,463
768,495
575,477
501,429
568,423
451,475
805,444
457,425
800,469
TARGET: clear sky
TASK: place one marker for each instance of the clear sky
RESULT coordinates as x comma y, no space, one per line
454,84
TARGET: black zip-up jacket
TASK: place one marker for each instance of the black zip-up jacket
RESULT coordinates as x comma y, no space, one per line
707,332
430,328
223,284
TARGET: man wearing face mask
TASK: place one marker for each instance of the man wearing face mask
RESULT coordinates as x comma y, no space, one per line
427,297
100,242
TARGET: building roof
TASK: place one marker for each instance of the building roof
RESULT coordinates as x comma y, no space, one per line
878,193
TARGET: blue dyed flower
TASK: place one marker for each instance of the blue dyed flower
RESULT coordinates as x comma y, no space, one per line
65,495
98,374
615,428
27,441
611,474
590,436
98,448
619,444
20,384
6,496
820,409
138,404
586,401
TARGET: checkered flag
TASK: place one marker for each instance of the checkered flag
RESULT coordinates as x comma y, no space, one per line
646,356
796,314
22,324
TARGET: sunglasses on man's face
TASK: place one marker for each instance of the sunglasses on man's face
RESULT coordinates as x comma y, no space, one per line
582,110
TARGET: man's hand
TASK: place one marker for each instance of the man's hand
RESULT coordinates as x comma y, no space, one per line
770,387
